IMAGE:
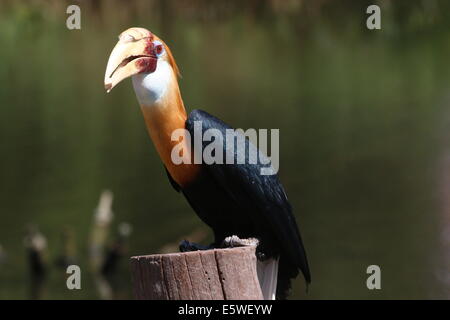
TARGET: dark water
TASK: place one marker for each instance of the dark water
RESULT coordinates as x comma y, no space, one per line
363,119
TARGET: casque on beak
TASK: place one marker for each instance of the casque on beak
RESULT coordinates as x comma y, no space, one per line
133,54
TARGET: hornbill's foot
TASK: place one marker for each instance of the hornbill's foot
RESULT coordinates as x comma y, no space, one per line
261,256
235,241
186,246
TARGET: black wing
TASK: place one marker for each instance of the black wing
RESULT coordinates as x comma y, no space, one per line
263,196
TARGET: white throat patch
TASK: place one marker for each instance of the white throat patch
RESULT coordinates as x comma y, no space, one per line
151,87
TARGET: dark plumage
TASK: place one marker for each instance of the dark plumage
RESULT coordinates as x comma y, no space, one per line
235,199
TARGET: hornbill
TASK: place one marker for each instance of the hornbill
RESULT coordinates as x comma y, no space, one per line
235,200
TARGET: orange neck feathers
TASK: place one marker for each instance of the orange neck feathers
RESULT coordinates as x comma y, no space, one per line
164,112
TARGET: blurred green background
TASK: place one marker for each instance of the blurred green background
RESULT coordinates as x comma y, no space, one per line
363,118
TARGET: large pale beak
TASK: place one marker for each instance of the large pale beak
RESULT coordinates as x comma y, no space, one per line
130,56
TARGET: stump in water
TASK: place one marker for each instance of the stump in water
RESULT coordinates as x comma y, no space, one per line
218,274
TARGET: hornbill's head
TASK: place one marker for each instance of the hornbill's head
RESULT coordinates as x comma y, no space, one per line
138,52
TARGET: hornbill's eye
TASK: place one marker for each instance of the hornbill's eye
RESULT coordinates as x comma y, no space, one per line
159,48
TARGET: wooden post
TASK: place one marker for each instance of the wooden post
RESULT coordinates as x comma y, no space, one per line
218,274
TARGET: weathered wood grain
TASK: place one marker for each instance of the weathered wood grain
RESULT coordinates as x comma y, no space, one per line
219,274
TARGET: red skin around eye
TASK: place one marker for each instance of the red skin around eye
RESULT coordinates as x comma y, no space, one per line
147,65
149,48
